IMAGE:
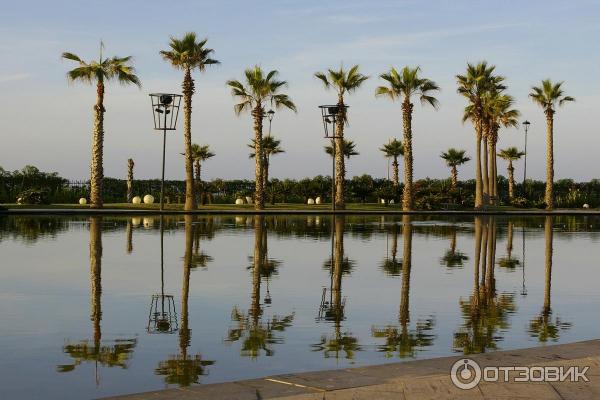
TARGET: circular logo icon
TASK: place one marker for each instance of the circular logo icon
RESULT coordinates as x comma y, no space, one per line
465,374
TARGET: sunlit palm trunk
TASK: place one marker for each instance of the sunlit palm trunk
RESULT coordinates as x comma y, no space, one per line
129,180
259,194
395,174
198,183
549,196
97,169
406,266
548,236
454,176
485,173
407,195
478,177
96,278
184,332
493,175
511,180
188,91
340,167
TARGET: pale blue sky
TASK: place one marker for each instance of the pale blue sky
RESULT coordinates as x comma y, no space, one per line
47,122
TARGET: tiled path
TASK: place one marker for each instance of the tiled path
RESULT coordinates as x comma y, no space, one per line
424,379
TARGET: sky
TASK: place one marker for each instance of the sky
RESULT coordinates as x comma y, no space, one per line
47,122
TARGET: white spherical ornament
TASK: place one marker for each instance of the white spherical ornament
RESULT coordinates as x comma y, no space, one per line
392,201
382,201
136,221
239,201
318,200
311,201
586,205
83,201
148,199
249,199
136,200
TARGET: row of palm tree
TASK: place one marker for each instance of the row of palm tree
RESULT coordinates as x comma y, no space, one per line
488,108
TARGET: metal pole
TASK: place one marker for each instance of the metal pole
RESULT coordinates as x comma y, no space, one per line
162,182
162,267
525,166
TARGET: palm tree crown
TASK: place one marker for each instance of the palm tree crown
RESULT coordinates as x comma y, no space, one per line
102,70
407,83
201,152
394,148
511,154
342,81
270,146
348,149
187,53
454,157
259,89
549,95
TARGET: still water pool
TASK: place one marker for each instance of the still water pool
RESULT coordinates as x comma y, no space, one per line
97,306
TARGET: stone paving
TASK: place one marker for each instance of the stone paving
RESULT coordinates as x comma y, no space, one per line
414,380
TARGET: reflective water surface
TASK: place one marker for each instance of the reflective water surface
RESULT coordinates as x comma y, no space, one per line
97,306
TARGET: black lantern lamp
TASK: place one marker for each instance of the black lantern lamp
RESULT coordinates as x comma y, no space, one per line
330,114
165,110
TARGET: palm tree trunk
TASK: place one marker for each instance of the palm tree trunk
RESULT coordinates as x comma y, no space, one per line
406,266
478,177
484,245
97,169
188,91
478,237
511,180
509,241
395,174
338,265
130,165
548,236
549,196
184,332
129,234
495,167
259,195
266,172
198,182
257,260
96,276
486,178
491,258
340,167
407,195
454,175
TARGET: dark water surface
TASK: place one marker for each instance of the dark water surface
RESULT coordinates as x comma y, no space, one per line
86,309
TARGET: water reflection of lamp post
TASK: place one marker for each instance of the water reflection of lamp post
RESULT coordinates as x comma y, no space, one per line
162,317
165,110
523,289
330,115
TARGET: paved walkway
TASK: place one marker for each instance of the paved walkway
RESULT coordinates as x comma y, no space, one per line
415,380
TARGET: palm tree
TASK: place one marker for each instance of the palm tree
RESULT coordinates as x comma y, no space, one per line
394,149
403,85
511,154
200,153
130,165
348,150
188,54
99,72
270,147
342,81
259,89
548,96
454,158
473,85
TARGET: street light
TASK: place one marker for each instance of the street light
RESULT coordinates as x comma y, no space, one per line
526,125
270,115
165,110
330,115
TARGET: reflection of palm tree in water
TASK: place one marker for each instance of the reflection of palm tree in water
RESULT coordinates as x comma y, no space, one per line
509,262
453,258
255,333
201,228
544,327
182,369
129,236
485,313
334,310
108,355
391,265
403,340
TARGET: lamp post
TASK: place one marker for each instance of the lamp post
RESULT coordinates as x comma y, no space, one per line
526,125
330,115
165,110
270,115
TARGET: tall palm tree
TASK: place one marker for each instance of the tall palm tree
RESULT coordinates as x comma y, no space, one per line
270,147
200,153
511,154
259,89
548,96
454,158
404,85
348,149
130,165
99,72
394,149
477,81
343,82
187,54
